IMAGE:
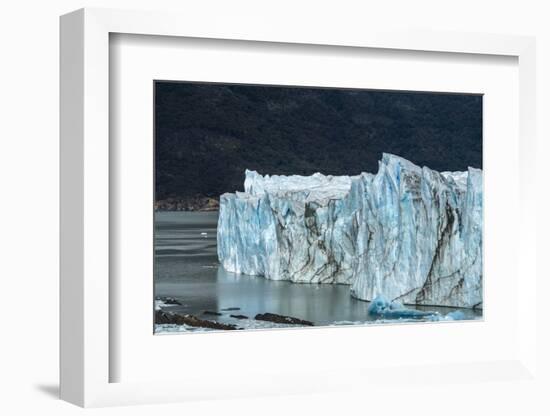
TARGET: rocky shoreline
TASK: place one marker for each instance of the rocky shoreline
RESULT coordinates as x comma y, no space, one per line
163,317
281,319
196,203
169,319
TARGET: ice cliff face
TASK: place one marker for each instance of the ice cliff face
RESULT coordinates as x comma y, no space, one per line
409,233
289,228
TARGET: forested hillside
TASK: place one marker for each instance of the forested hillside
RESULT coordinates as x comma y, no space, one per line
208,134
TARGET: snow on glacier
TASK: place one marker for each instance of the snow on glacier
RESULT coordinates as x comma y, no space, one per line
409,233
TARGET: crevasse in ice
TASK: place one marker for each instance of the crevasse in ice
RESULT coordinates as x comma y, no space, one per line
409,233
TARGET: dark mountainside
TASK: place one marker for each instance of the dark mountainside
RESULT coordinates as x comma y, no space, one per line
208,134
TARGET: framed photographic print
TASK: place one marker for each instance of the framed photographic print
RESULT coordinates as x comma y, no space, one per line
274,211
316,239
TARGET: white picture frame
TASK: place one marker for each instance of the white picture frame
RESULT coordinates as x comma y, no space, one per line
86,356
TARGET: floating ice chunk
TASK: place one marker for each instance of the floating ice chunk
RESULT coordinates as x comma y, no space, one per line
159,304
377,305
451,316
456,316
381,307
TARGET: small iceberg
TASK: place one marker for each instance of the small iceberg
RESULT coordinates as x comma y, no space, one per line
382,307
451,316
456,316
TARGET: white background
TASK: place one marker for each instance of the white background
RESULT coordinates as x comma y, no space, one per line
29,209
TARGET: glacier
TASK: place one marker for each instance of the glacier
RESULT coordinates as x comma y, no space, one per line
409,233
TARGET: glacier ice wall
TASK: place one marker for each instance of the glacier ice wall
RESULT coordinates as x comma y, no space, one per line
289,228
409,233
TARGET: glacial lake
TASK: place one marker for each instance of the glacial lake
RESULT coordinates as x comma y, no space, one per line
187,269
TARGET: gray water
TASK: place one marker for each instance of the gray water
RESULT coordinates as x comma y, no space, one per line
188,270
